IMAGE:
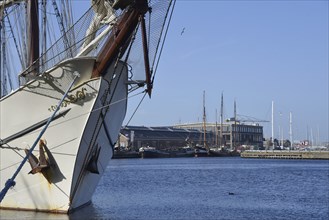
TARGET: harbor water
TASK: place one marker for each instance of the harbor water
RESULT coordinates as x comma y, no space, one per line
205,188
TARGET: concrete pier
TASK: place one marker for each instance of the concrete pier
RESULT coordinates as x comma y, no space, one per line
316,155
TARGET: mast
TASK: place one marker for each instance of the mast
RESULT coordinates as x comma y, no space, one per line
216,140
33,36
204,119
273,124
44,32
146,57
290,129
307,136
318,135
235,128
282,137
312,137
221,121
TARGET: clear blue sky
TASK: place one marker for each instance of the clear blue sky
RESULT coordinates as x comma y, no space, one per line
254,52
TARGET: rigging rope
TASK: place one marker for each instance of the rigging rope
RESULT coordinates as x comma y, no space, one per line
157,62
164,39
15,41
62,28
136,109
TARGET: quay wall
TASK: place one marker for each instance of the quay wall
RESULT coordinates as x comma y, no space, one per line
316,155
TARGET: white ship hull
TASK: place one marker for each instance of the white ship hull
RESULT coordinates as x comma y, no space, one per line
80,140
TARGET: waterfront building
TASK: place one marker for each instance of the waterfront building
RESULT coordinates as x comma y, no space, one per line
232,136
162,138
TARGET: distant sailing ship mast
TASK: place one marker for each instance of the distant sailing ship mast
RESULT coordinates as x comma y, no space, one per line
204,121
290,130
235,128
273,125
221,122
216,131
205,144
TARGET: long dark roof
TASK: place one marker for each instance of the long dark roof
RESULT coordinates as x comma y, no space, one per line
162,133
161,128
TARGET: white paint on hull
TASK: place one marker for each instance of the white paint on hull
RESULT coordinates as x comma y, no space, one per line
71,139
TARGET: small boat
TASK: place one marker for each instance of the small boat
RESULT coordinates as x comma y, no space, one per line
151,152
201,151
215,152
59,127
186,151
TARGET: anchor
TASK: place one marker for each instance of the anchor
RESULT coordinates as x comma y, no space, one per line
38,165
46,164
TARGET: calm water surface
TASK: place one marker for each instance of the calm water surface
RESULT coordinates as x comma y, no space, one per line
206,188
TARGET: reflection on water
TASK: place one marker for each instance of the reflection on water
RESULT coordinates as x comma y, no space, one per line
205,188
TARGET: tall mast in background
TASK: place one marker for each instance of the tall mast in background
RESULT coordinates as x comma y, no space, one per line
290,129
216,127
273,124
204,119
235,128
221,121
